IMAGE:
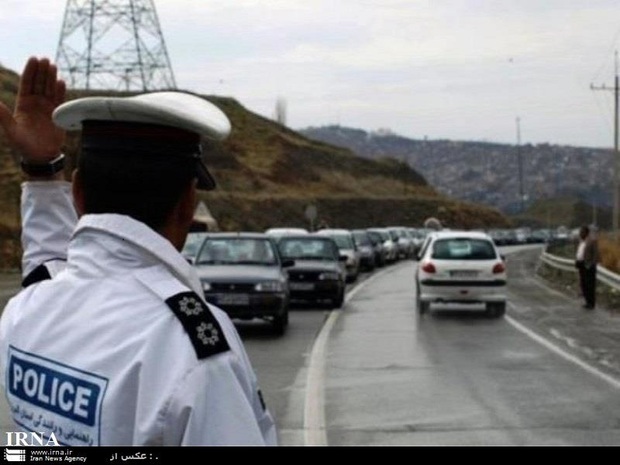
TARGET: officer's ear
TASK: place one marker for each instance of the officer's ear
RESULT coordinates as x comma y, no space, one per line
180,219
78,192
188,202
182,214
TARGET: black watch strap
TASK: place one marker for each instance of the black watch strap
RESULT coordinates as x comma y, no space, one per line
44,169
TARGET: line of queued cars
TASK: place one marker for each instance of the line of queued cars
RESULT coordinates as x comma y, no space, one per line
521,236
257,275
253,275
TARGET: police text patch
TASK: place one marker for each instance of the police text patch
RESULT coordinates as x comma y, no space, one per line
202,327
49,396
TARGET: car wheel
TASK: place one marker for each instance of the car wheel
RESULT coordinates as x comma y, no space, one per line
496,309
280,322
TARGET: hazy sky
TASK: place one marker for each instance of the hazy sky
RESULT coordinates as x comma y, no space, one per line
455,69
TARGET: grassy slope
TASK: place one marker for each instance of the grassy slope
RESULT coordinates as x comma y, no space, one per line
267,175
569,212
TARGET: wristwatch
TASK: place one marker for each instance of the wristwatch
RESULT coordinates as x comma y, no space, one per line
44,169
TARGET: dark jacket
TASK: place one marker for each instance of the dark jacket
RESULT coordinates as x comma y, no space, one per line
590,254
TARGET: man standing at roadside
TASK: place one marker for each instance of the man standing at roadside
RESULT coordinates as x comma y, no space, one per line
586,262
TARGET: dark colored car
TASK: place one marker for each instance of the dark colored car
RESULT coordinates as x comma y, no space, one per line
243,274
318,273
367,249
377,244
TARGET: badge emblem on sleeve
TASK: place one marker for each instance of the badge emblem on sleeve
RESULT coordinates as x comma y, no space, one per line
201,326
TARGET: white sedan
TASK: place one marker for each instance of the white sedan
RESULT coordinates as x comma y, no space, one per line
461,267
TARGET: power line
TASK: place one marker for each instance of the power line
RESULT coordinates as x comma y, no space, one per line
520,166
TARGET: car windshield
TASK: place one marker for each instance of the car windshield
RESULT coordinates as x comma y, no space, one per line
361,238
192,244
375,237
237,251
463,249
385,236
308,249
343,241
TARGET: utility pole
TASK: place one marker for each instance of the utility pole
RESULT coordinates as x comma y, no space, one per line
594,219
520,163
405,162
616,156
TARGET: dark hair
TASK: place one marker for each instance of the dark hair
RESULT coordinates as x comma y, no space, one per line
139,185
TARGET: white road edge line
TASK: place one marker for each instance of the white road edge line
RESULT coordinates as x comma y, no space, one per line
315,429
562,353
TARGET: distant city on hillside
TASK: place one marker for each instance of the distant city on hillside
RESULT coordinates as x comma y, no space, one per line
488,173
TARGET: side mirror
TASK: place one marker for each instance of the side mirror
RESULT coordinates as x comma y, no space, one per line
342,258
288,263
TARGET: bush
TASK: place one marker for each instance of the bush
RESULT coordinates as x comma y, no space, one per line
609,251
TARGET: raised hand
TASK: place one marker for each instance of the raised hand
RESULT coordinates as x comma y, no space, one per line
29,128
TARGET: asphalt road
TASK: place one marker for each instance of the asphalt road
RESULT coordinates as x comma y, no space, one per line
456,377
376,373
280,365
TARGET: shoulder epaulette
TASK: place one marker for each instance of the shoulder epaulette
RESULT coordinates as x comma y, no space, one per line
200,324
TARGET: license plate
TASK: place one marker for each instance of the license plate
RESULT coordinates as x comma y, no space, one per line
463,274
233,299
301,286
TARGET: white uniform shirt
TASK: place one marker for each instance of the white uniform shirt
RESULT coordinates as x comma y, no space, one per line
119,348
581,251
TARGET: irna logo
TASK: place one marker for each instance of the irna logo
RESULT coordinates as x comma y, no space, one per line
31,439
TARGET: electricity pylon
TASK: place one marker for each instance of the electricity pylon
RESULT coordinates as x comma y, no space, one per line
113,45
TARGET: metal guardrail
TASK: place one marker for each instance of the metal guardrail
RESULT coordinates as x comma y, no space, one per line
602,274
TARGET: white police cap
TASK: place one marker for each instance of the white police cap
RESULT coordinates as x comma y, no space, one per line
176,110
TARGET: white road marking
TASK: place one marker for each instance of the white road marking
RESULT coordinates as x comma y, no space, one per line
315,433
315,429
562,353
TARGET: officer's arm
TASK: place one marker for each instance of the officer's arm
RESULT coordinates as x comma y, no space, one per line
48,220
211,407
261,412
48,216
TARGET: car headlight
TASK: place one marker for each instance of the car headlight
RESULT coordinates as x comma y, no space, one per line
329,276
269,286
206,286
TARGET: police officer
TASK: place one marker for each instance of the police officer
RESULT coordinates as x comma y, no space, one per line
111,342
